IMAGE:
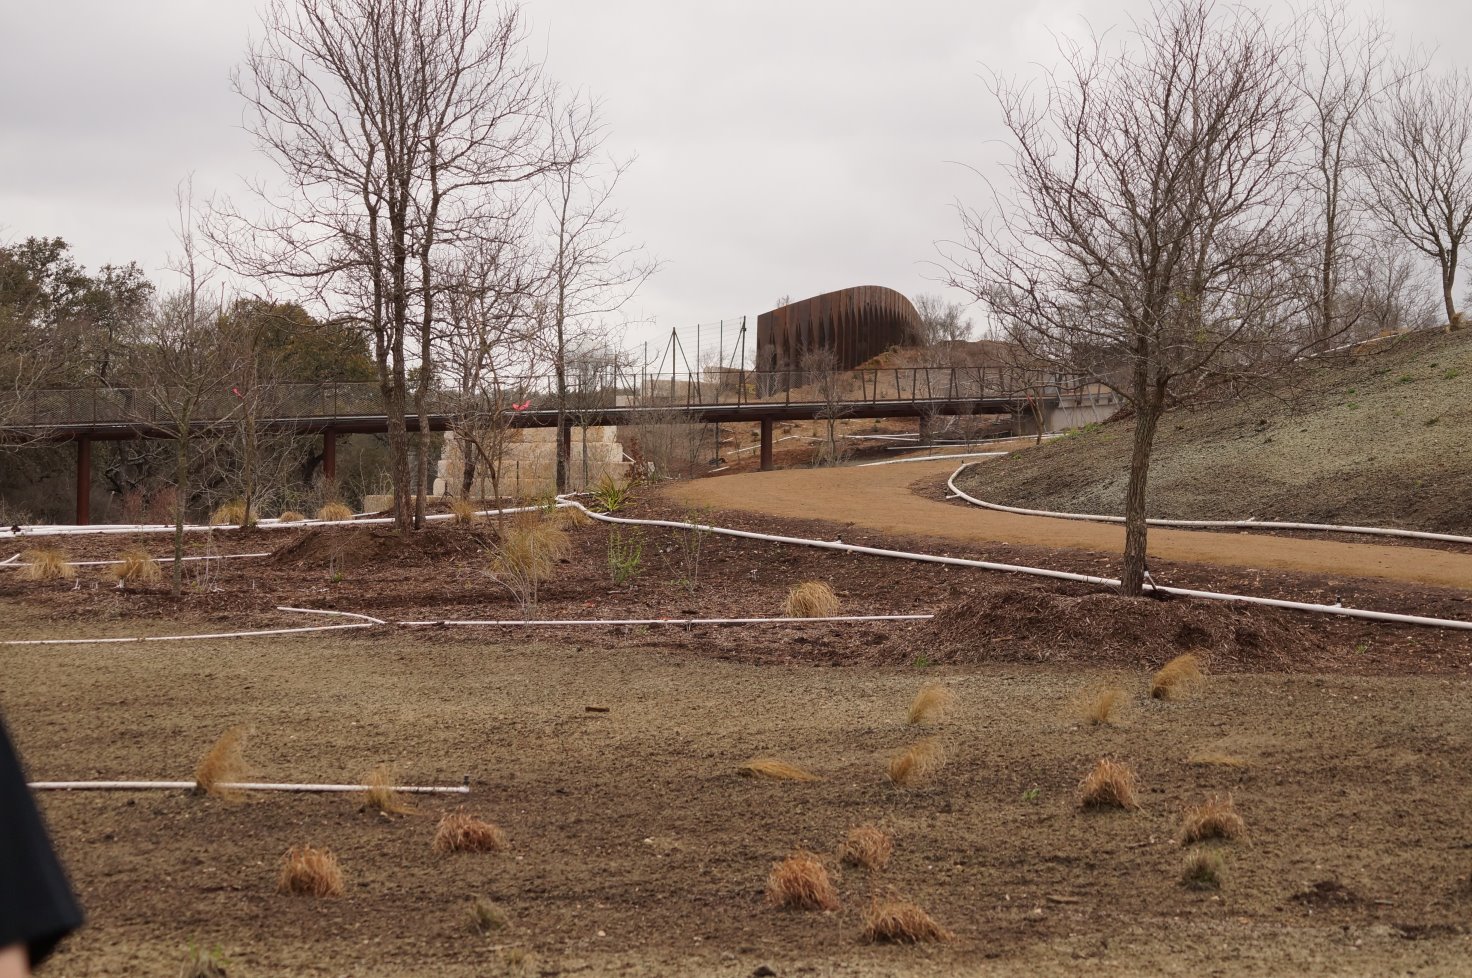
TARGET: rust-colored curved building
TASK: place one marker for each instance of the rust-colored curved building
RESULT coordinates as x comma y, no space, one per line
856,324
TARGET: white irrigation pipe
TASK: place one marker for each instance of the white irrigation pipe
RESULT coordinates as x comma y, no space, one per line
1322,609
156,560
462,789
932,458
1210,524
664,621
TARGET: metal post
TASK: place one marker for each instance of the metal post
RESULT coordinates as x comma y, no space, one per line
766,451
329,455
84,481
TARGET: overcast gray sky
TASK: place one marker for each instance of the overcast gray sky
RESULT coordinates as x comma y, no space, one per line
783,147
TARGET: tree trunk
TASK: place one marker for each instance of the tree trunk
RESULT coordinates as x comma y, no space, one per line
1147,416
1448,281
467,466
181,500
398,450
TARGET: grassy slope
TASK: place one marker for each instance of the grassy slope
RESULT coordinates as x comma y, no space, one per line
1383,438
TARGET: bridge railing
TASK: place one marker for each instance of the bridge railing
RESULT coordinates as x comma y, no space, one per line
597,391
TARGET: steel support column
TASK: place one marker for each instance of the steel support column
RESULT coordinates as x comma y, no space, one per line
766,452
329,455
84,481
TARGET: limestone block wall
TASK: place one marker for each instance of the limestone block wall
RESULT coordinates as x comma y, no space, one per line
529,463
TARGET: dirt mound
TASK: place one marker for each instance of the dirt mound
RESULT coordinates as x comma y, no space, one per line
1013,623
1377,438
344,547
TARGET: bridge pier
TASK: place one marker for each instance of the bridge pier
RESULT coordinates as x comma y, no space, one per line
329,455
766,452
84,481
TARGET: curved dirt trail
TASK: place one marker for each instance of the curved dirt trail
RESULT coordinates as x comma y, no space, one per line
879,498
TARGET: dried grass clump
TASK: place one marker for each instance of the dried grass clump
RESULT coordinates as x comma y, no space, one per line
1214,818
46,564
530,548
770,767
463,510
487,917
463,832
334,512
1177,679
931,704
290,516
222,764
917,763
229,514
136,567
309,872
1102,705
381,795
571,517
800,882
866,846
1203,869
1110,784
811,599
895,921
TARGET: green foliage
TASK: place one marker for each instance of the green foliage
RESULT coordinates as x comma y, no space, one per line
204,962
1032,794
611,494
688,542
306,350
625,551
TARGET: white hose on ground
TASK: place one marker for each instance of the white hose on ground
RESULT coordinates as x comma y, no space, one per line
156,560
1322,609
658,621
185,638
458,789
1207,524
932,458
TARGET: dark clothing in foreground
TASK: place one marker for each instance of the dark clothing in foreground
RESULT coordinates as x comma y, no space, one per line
36,903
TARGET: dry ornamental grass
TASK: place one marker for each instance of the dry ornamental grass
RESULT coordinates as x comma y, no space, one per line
800,882
46,564
463,510
811,599
867,847
1110,784
136,567
381,795
1214,818
309,872
334,512
1203,870
931,704
895,921
1103,705
1177,679
290,516
770,767
222,764
463,832
229,514
918,763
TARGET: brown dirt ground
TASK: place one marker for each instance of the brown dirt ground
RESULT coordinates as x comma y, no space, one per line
636,848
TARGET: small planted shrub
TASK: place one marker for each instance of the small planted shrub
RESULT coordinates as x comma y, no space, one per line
46,564
334,512
486,917
1203,869
527,554
800,882
931,704
381,795
222,764
775,770
309,872
204,963
291,516
867,847
570,517
811,599
896,921
463,832
1103,705
463,511
1214,818
1177,679
611,494
917,763
231,513
1110,784
625,551
135,566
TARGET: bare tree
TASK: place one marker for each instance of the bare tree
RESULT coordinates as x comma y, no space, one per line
1418,147
941,321
397,125
830,388
1346,74
1149,236
592,268
183,371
